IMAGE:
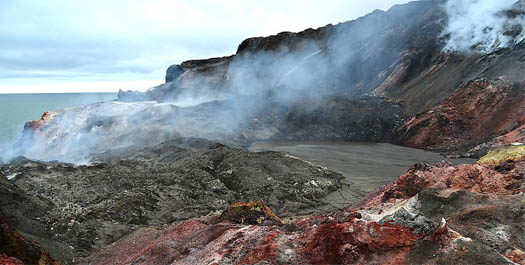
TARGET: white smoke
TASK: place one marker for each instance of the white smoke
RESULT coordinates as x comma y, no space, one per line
247,98
483,25
244,100
75,134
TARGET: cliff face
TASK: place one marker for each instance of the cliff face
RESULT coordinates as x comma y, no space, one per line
447,72
355,57
384,77
355,81
382,54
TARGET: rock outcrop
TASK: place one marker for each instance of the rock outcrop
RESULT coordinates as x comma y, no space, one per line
6,260
198,80
478,111
363,119
352,57
500,155
74,210
433,214
141,192
15,249
380,54
249,213
354,81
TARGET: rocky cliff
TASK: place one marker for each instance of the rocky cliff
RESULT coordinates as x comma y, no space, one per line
371,79
354,57
381,54
141,189
477,112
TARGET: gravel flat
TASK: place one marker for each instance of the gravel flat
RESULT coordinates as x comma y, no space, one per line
366,166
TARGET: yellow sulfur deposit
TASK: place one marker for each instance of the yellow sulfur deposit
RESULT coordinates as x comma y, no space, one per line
502,154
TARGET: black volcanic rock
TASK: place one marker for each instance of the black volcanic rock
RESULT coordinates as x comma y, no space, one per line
192,79
272,81
357,55
88,207
173,72
382,53
205,64
289,40
355,81
367,119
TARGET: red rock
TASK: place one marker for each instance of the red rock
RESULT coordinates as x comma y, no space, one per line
329,243
440,230
474,178
6,260
478,110
358,242
516,255
16,248
266,251
39,124
515,136
355,238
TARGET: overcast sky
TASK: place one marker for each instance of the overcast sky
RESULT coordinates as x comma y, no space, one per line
106,45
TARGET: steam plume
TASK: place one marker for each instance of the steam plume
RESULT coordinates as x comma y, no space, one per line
226,102
484,25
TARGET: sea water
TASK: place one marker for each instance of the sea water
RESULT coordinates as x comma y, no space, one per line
16,109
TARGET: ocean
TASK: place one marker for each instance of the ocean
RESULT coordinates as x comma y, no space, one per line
16,109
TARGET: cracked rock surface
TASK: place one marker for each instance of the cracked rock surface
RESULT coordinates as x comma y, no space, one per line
90,206
434,214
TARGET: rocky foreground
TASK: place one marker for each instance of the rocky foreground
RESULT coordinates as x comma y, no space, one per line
141,190
433,214
73,210
176,203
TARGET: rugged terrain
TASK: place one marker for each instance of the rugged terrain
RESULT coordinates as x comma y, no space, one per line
73,210
478,111
143,180
77,134
433,214
381,54
378,78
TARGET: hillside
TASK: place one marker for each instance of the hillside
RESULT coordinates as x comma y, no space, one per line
381,54
166,177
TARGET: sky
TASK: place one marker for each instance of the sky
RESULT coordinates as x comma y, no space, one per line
56,46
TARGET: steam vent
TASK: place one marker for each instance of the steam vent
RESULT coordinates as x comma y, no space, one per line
397,137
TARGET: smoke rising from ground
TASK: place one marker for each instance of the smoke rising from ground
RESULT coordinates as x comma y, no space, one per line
200,109
222,107
246,97
483,25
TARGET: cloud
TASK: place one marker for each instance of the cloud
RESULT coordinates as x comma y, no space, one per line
110,40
